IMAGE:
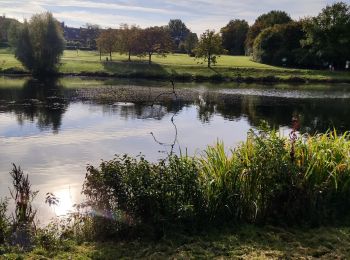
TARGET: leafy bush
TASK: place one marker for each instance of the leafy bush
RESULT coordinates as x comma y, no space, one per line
135,191
279,45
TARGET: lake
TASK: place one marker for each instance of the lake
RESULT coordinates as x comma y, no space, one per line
54,128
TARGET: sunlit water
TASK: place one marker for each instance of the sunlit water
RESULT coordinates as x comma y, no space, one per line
55,144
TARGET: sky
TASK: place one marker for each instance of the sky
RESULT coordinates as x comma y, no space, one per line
198,15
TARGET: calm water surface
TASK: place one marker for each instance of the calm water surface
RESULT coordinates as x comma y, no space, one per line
53,132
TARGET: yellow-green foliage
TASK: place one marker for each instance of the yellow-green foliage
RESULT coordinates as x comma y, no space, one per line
259,181
325,160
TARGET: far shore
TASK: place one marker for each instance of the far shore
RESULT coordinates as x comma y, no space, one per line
179,67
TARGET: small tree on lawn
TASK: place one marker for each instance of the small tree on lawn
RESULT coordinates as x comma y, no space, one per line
128,39
154,40
209,47
107,42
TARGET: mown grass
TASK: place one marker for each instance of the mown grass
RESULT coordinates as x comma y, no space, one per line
245,242
176,65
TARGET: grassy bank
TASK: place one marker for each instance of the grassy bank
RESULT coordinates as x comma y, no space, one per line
179,66
246,242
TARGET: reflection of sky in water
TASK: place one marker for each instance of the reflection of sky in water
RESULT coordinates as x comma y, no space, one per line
88,133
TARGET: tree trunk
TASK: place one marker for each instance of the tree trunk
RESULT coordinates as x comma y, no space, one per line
129,55
100,55
110,56
209,60
149,58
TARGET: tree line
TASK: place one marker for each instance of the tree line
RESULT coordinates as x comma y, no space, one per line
274,38
134,41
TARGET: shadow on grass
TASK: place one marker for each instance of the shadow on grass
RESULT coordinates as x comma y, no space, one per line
245,242
137,69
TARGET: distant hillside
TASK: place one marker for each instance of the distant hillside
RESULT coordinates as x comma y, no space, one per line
82,38
4,29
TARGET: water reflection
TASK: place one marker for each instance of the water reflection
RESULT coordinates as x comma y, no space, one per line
37,101
45,102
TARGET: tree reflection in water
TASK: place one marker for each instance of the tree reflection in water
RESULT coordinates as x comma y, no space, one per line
41,101
45,102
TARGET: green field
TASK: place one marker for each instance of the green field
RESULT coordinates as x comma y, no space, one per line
175,65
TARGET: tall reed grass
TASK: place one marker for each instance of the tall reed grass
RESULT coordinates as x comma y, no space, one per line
258,181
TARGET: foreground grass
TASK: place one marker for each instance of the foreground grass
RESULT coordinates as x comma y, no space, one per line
176,65
247,242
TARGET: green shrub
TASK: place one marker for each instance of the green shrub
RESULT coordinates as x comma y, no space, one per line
279,45
135,191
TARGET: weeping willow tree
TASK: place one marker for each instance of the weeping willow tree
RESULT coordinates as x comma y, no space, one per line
40,44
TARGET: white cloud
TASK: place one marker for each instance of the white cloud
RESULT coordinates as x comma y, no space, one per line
197,14
78,18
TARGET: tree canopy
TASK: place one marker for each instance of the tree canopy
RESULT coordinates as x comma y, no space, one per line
129,40
7,27
328,34
191,43
107,41
154,40
40,44
264,21
209,47
279,44
178,31
234,35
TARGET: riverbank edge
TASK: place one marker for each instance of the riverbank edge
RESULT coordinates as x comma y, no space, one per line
186,77
244,242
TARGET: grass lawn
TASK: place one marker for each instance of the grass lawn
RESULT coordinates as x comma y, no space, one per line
180,65
247,242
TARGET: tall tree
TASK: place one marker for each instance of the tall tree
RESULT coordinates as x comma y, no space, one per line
191,43
154,40
40,44
107,41
328,34
5,27
262,22
234,35
279,44
209,47
23,47
178,31
128,39
14,32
